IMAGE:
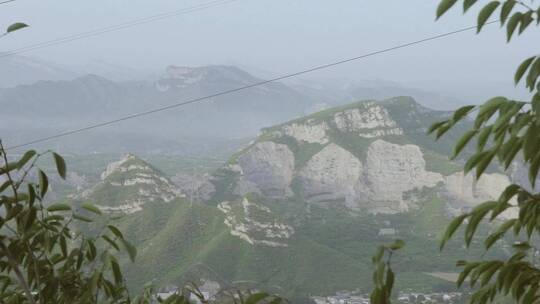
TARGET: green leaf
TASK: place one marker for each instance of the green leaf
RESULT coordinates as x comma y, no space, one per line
473,161
117,273
526,20
30,218
58,207
531,142
485,13
506,10
451,229
509,157
91,208
16,26
5,185
499,233
436,126
465,273
467,4
522,246
488,109
483,137
111,242
461,112
60,165
477,214
462,142
396,245
28,155
442,130
512,25
444,6
534,72
115,231
131,250
10,167
390,278
82,218
533,170
256,298
43,183
484,162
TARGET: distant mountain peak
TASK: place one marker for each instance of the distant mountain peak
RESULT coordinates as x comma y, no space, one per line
130,183
183,76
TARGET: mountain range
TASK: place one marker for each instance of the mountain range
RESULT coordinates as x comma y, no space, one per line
41,99
301,209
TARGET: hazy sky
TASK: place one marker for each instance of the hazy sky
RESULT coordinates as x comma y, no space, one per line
275,35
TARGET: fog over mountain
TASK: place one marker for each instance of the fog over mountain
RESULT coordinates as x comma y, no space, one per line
63,100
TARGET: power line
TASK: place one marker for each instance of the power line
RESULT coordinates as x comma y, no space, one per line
115,27
230,91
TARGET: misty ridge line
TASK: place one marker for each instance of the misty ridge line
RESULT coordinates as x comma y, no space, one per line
260,83
116,27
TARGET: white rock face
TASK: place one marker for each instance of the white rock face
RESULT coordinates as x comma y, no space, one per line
392,170
330,175
463,192
267,167
373,121
197,187
376,185
255,224
311,133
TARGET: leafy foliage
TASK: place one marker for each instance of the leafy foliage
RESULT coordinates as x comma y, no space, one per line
383,276
43,259
506,131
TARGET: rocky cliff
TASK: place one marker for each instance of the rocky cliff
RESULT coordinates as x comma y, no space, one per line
367,156
312,196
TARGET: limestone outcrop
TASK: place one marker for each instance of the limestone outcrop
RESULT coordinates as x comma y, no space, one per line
267,168
130,183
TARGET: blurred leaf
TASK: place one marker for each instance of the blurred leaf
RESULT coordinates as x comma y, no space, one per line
444,6
91,208
523,67
506,10
462,112
111,242
522,246
43,183
499,233
10,167
256,298
16,26
58,207
467,4
451,229
82,218
131,250
512,25
117,273
60,165
484,162
462,142
485,13
28,155
396,245
115,231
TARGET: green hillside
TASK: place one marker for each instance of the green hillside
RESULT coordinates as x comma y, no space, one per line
289,244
